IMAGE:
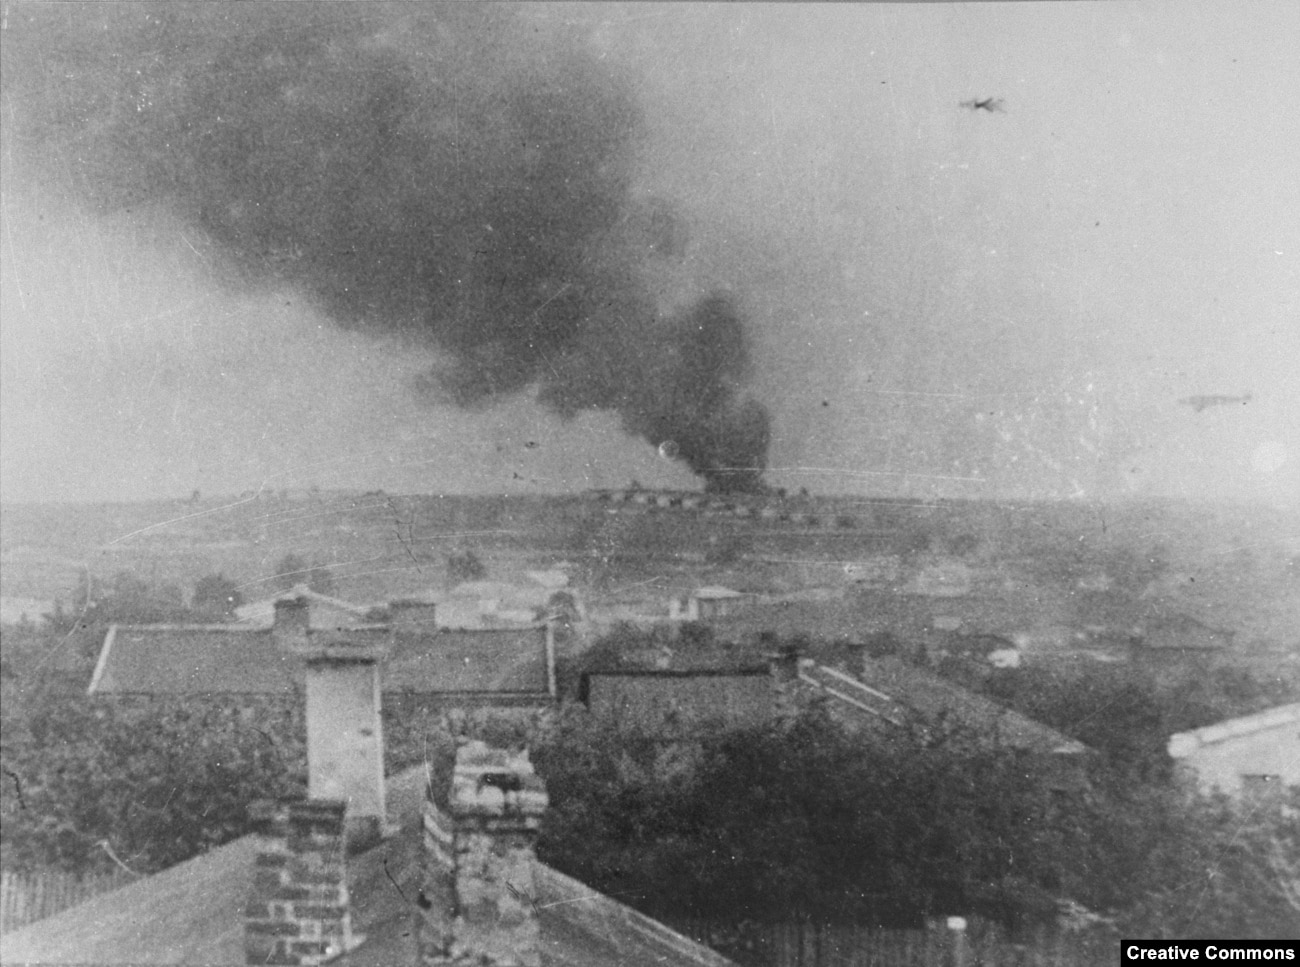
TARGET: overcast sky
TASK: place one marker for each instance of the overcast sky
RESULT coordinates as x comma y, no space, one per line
942,300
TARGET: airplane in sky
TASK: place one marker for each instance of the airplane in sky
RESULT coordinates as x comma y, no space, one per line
1199,403
990,104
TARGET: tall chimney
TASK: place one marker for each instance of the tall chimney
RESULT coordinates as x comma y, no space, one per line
345,742
477,900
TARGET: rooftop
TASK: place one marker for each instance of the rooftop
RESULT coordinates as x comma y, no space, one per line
326,611
1182,744
187,659
715,592
192,914
899,685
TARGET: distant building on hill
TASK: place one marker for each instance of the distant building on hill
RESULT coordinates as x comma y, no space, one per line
326,611
488,604
707,604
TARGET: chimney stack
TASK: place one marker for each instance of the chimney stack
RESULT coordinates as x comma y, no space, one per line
345,744
298,910
292,622
477,901
784,663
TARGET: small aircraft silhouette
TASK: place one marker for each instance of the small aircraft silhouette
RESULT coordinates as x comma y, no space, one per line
990,104
1199,403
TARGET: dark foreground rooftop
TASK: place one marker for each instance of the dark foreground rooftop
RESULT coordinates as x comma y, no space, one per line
192,914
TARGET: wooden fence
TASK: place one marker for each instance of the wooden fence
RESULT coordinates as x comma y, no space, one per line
839,945
28,897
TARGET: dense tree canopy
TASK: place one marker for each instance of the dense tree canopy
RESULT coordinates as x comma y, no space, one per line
216,597
801,822
90,785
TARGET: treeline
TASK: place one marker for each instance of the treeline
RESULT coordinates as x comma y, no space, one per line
799,822
126,598
92,786
1127,714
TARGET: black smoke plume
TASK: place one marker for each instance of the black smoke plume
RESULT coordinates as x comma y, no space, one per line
457,174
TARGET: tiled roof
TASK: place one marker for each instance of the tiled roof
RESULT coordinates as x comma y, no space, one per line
192,914
490,659
189,659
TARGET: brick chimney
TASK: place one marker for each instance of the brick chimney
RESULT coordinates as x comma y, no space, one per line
292,622
476,904
298,910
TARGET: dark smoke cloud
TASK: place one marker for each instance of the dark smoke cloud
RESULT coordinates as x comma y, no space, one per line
445,173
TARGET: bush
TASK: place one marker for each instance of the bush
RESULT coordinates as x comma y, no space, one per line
216,597
292,570
465,566
122,599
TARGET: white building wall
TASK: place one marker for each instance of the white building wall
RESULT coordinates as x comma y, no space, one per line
1226,763
345,749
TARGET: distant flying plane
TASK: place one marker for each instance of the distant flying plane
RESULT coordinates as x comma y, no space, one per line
990,104
1199,403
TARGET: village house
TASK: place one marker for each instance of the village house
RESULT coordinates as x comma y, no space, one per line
418,656
1254,757
707,604
495,604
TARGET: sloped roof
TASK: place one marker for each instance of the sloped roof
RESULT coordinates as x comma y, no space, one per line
714,592
1184,743
938,701
191,659
192,914
487,659
187,659
847,689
